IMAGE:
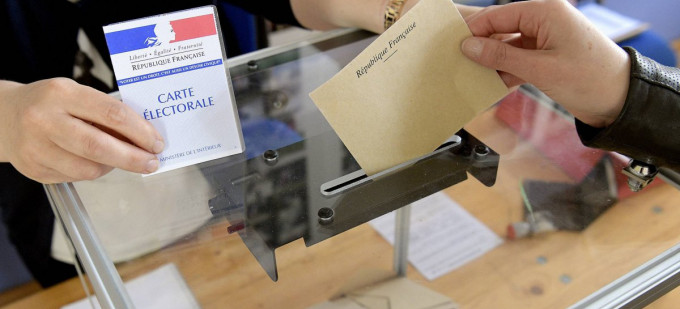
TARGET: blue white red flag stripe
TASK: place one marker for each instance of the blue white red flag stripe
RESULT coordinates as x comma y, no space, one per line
145,36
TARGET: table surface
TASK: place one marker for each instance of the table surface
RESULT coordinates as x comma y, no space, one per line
549,270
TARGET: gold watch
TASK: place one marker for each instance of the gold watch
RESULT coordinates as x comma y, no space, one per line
393,11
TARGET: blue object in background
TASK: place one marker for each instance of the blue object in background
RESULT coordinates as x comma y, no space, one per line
652,45
664,26
265,134
244,26
12,269
654,42
662,15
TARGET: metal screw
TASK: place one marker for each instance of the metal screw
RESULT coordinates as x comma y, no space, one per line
640,174
634,185
657,209
325,215
270,157
276,100
252,65
481,151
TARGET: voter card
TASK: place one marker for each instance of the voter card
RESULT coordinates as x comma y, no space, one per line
171,70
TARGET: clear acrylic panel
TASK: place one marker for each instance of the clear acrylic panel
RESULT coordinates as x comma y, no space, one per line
283,225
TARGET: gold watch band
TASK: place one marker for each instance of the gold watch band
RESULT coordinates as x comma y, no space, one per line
393,11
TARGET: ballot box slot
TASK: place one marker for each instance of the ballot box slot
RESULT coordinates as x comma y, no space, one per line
357,178
338,185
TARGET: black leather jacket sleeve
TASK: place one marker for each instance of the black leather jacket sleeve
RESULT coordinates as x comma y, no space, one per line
648,128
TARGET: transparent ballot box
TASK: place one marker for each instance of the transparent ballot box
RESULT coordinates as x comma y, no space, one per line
511,212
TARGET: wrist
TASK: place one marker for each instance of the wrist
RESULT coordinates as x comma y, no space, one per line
5,117
615,100
330,14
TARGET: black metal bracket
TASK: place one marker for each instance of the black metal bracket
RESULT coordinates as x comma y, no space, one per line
275,199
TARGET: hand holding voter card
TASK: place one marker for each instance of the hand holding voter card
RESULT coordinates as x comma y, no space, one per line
171,70
56,130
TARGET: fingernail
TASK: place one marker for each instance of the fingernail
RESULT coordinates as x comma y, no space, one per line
472,48
152,165
158,146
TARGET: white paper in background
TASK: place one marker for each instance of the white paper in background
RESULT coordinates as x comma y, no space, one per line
443,236
163,288
396,293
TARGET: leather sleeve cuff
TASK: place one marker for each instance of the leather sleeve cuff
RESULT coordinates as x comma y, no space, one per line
648,128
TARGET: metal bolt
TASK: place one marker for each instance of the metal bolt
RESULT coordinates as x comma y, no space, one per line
634,185
325,215
276,100
270,157
481,151
252,65
640,174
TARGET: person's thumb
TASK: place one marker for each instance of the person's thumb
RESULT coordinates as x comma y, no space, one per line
499,56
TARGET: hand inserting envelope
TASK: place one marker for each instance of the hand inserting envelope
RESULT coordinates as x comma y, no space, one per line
410,90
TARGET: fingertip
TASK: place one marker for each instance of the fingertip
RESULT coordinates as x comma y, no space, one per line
158,146
152,165
472,48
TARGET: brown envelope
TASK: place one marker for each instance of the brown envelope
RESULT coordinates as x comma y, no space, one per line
410,90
